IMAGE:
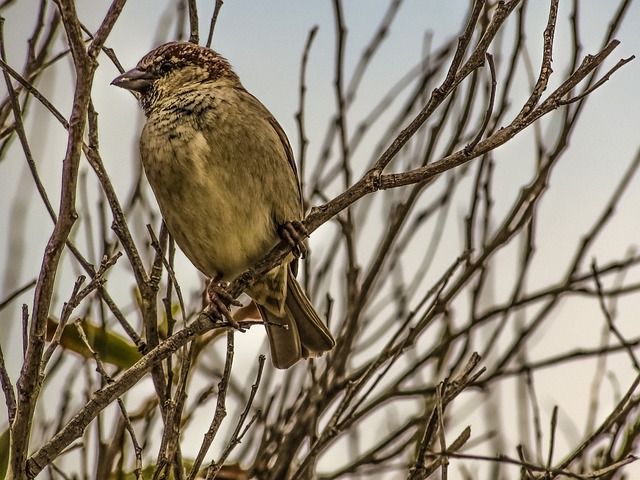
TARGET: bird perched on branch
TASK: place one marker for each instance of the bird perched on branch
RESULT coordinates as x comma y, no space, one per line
224,176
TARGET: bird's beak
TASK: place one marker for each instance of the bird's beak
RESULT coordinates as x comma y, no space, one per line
135,80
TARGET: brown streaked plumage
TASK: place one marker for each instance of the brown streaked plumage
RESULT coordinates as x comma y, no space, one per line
224,176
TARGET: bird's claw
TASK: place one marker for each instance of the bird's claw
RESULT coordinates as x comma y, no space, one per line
220,300
294,233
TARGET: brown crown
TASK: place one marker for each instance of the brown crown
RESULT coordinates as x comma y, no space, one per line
175,55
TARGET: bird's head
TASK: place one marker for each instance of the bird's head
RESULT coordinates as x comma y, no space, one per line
175,68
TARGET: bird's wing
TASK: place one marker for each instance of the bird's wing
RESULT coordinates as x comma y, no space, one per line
283,139
288,151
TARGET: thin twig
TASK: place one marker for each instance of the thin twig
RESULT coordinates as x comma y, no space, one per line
552,435
239,432
300,119
220,411
123,410
7,389
214,20
609,318
487,115
194,35
15,294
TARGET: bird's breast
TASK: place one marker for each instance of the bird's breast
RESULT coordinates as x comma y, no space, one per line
209,198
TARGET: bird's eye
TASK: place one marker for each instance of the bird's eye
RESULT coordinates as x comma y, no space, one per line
166,67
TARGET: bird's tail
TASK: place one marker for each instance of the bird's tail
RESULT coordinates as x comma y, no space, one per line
298,332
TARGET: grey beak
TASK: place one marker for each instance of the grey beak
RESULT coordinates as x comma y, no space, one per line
135,80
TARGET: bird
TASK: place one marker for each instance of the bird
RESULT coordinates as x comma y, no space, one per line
224,177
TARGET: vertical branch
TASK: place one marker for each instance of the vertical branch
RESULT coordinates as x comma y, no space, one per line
239,432
221,409
545,68
194,35
29,380
302,135
346,223
303,140
148,292
341,32
7,389
214,19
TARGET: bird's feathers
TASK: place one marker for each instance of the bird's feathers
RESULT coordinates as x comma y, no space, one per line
224,175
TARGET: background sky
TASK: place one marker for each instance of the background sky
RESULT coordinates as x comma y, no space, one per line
264,41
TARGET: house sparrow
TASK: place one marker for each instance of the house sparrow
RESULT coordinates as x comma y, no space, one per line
224,176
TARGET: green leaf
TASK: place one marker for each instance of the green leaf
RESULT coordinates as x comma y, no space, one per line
111,348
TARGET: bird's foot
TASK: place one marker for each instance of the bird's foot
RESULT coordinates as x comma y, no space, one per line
294,234
220,300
